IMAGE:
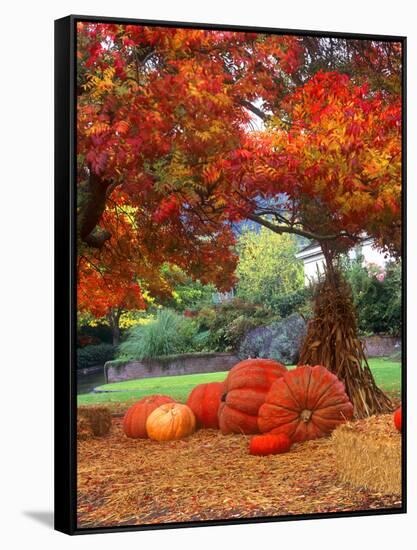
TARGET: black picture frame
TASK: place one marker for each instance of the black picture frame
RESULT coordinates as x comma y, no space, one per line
65,274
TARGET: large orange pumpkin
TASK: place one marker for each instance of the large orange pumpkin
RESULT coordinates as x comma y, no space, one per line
246,387
263,445
204,401
134,421
170,421
306,403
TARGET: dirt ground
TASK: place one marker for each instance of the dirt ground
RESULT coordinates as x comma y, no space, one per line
208,476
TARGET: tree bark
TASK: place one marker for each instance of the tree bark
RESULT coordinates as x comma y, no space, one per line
92,209
116,334
114,322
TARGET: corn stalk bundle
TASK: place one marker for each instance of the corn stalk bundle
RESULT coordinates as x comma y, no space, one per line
332,341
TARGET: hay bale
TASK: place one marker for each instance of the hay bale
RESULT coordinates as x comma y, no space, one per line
84,429
93,421
368,454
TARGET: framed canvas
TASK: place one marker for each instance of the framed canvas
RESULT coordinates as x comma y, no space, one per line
230,274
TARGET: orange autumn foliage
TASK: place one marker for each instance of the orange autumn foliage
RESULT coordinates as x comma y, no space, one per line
168,131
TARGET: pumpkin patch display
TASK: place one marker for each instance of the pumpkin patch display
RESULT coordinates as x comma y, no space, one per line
134,422
269,444
306,403
246,387
204,401
170,421
398,419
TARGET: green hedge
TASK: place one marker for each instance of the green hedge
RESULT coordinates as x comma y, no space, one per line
90,356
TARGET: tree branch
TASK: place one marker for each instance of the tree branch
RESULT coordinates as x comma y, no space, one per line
280,229
97,239
248,105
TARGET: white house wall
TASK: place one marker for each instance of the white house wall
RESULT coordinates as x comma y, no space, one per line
372,255
312,267
313,259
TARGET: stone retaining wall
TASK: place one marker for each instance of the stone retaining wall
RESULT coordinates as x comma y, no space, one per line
381,346
189,363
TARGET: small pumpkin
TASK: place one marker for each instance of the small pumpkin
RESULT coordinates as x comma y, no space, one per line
305,403
204,401
246,387
134,421
398,421
269,444
170,421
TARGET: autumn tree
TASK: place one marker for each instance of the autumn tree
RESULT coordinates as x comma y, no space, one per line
166,123
108,280
330,170
114,278
161,109
267,270
106,296
158,106
155,108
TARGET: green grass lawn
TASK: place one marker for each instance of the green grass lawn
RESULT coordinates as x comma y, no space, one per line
387,375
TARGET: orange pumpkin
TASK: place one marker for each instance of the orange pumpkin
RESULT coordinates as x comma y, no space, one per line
398,419
134,421
246,387
204,401
269,444
306,403
170,421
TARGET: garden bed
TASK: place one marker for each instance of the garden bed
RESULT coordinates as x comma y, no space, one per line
208,476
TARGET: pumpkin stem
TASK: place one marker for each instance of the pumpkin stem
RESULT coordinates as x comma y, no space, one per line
306,415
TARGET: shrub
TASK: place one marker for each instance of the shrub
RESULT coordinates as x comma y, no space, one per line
206,318
227,324
91,356
376,295
236,330
99,331
169,333
299,301
187,294
201,341
280,340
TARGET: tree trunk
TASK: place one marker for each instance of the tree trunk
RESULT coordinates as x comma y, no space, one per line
114,322
91,211
116,335
332,341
